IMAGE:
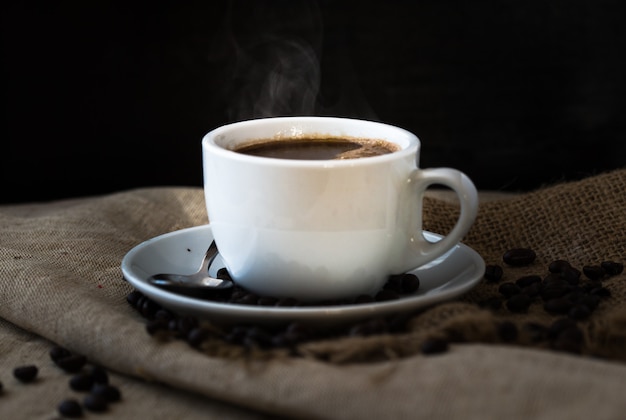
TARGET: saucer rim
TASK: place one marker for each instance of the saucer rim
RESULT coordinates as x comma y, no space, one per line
233,313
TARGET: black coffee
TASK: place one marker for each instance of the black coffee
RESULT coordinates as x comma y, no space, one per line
329,148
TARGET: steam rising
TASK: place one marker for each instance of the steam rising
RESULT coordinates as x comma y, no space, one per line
272,60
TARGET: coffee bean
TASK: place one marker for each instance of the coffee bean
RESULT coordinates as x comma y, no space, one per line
99,374
58,352
493,273
528,280
95,403
72,363
519,257
70,408
560,305
602,292
371,327
532,290
1,387
518,303
248,299
558,266
554,288
591,301
148,308
509,289
184,324
410,283
593,272
571,275
133,298
559,326
156,326
434,346
385,295
257,337
579,312
81,382
197,335
612,268
163,315
26,373
393,283
108,392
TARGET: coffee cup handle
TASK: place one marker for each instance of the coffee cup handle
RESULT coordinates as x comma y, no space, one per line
423,250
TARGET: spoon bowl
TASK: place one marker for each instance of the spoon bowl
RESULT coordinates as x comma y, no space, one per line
191,283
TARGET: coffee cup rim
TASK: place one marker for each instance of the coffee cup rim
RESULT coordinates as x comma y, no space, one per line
407,141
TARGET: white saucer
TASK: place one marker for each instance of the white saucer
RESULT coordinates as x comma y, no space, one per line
182,251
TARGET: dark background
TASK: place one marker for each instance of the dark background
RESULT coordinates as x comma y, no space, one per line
105,96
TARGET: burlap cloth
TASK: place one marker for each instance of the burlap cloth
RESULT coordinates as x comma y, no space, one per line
60,282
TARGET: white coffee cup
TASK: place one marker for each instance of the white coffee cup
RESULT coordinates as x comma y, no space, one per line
323,229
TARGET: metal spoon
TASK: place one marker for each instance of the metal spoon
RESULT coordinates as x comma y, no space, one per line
199,281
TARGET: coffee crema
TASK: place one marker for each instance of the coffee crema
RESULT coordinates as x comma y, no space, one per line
318,148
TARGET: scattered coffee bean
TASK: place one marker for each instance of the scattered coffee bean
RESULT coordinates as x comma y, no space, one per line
554,287
155,326
183,325
612,268
519,257
558,266
371,327
70,408
99,374
579,312
133,298
509,289
518,303
601,292
72,363
559,326
26,373
108,392
410,284
163,315
385,295
257,337
594,272
571,275
493,273
95,403
559,305
58,352
81,382
197,335
434,346
528,280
